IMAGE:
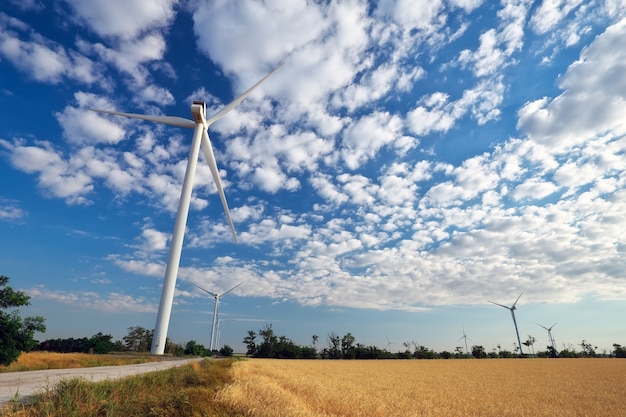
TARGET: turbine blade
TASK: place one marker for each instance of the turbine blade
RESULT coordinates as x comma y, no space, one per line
210,157
168,120
517,299
501,305
553,326
206,291
238,100
232,288
542,326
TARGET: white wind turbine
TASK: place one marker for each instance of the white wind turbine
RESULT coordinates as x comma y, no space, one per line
464,337
512,310
214,327
200,125
549,329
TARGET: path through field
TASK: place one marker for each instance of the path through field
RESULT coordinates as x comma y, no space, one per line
17,385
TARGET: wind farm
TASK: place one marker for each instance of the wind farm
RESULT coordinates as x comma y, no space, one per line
404,166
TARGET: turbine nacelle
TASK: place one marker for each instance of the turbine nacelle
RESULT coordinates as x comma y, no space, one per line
198,110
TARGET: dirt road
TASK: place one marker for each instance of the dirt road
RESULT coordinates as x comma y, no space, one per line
18,385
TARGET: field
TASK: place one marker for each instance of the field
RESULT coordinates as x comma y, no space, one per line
349,388
49,360
499,387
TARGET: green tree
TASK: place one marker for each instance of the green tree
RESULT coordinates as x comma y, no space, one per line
619,351
226,351
250,342
269,344
334,348
194,348
16,334
347,346
101,343
479,352
138,339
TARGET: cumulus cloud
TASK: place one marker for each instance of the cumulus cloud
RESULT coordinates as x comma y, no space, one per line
592,100
123,18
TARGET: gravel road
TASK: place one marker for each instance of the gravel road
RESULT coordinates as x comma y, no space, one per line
23,384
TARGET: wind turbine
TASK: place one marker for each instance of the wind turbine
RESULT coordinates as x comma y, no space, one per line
200,125
464,337
217,297
512,310
549,329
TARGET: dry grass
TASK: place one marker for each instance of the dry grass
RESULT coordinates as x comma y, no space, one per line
515,387
49,360
184,391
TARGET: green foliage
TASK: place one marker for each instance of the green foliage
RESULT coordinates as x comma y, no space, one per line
619,351
98,343
250,342
226,351
138,339
479,352
195,349
16,334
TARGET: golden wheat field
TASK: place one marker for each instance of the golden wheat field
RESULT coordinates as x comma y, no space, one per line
500,387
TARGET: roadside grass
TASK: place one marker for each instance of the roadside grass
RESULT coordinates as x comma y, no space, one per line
34,361
189,390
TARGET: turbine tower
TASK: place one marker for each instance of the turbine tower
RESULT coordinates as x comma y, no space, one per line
217,297
512,310
464,337
200,125
549,329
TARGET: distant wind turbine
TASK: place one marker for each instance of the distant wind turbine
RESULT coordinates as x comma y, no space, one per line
464,337
549,329
200,125
512,310
214,327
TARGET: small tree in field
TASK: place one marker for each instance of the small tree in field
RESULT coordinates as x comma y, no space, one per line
16,334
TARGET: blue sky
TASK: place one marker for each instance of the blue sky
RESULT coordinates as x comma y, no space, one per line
408,164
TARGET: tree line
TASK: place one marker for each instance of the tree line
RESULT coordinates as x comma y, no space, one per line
266,344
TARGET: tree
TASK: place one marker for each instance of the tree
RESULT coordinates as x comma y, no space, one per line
194,348
138,339
529,343
619,351
250,342
334,348
101,343
589,350
226,351
479,352
347,346
16,334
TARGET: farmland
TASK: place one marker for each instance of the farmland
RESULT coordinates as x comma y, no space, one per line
507,387
350,388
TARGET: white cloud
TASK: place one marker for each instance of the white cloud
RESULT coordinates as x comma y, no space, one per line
363,138
123,18
55,175
112,303
42,59
550,13
10,210
83,126
592,100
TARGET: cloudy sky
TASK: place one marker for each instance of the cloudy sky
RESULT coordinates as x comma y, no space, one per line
408,163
